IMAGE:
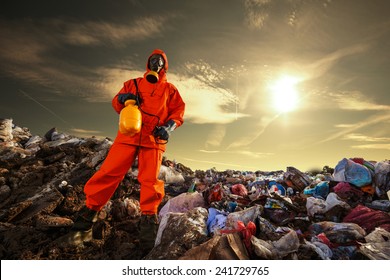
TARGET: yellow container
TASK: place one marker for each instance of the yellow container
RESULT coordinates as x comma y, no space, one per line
130,119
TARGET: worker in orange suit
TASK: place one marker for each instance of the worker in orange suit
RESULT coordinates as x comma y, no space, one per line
162,110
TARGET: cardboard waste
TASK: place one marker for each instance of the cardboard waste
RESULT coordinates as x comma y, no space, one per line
333,214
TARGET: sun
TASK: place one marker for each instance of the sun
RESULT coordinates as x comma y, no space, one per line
285,96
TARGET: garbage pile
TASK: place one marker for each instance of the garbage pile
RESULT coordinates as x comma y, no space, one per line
337,214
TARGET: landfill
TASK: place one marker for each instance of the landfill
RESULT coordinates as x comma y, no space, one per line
339,213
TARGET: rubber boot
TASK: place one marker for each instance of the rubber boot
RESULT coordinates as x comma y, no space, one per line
81,230
148,227
85,219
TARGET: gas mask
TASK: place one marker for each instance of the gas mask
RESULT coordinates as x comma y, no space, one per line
156,63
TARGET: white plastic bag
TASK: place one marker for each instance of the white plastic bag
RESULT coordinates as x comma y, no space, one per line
170,175
245,216
183,203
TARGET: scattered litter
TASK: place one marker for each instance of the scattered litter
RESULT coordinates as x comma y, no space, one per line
337,214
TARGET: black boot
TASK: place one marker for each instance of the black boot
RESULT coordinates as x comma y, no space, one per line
148,227
81,230
85,219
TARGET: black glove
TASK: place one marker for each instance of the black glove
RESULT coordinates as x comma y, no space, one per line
122,97
163,132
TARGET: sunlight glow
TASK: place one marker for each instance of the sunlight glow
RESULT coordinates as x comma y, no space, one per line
284,94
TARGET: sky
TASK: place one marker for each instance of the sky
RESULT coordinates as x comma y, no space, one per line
267,83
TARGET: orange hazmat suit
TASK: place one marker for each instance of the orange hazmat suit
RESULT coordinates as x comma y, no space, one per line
160,103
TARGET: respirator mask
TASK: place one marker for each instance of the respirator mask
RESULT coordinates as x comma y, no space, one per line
156,63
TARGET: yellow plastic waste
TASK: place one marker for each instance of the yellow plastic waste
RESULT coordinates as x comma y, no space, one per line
130,119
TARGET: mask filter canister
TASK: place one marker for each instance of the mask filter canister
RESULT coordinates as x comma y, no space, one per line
152,77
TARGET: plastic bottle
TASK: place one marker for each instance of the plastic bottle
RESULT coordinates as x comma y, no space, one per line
130,119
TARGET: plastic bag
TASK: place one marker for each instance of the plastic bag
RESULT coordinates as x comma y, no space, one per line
183,203
368,218
276,187
239,189
354,173
220,247
183,228
247,232
339,233
320,206
320,190
216,220
377,246
382,177
347,192
216,193
315,206
170,175
333,200
320,248
287,244
247,215
263,249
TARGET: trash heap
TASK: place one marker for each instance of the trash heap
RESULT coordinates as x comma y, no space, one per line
338,213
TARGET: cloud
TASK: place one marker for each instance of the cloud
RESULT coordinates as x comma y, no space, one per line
256,13
29,47
208,162
205,73
94,33
216,136
19,46
111,81
209,151
245,153
364,138
206,104
287,12
372,146
252,154
344,125
368,122
356,101
257,130
323,65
